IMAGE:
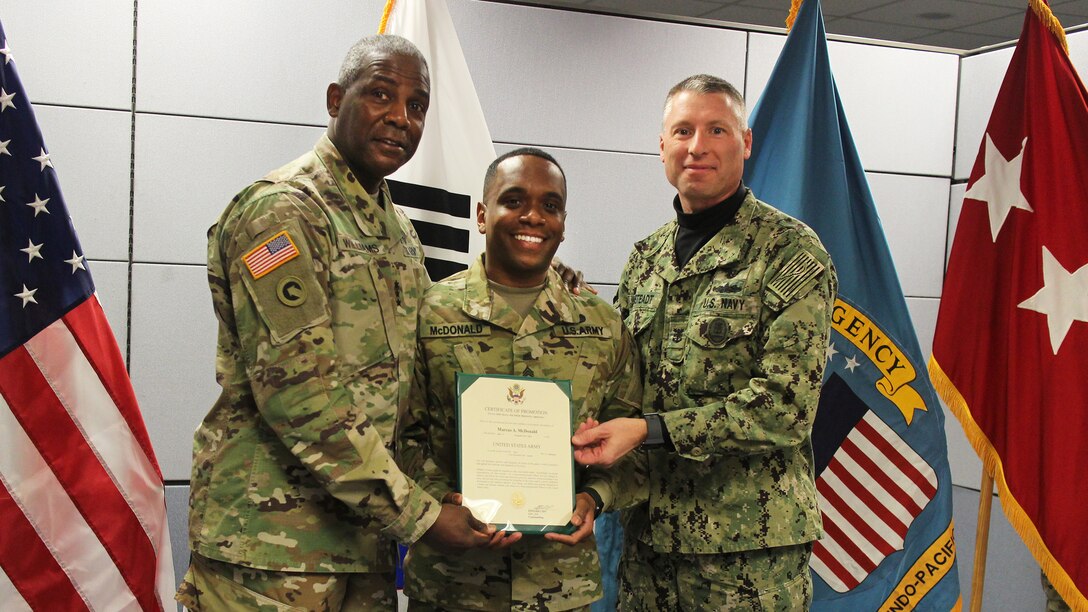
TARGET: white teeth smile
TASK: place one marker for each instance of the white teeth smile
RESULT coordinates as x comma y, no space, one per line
533,239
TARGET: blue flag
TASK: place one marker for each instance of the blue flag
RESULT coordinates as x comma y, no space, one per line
878,439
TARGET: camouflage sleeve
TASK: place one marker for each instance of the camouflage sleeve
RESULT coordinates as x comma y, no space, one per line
624,484
622,299
286,339
424,435
777,407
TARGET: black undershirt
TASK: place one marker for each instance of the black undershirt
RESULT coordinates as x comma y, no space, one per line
698,228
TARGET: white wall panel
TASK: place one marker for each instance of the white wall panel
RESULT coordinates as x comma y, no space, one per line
249,59
173,358
90,152
1078,51
955,205
613,200
891,97
579,80
72,51
913,211
188,169
980,79
111,284
923,315
177,517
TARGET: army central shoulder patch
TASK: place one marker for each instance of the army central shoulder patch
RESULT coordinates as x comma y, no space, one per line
800,269
270,254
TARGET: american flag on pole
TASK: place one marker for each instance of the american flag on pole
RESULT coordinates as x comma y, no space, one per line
878,438
81,495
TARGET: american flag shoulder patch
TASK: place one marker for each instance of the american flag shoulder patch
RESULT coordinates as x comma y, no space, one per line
800,269
270,254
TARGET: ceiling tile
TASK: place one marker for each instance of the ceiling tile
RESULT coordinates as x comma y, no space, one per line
1007,28
958,40
843,8
871,29
920,13
1073,9
757,15
687,8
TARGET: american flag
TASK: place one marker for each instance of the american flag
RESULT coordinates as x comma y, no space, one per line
275,251
872,487
81,495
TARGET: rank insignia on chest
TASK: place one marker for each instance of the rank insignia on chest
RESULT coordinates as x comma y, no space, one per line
271,254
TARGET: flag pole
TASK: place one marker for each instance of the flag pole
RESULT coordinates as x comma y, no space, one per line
982,538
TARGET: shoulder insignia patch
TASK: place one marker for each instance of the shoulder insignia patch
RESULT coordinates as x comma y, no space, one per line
800,269
270,254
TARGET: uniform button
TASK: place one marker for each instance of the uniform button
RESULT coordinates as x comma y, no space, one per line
697,451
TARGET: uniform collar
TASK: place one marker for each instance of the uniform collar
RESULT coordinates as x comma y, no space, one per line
374,216
553,306
730,244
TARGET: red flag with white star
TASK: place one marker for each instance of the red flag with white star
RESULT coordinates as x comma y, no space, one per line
1010,354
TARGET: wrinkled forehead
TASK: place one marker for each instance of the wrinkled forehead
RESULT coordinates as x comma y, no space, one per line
400,66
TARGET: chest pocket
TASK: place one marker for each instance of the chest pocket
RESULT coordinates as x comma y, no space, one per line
376,296
721,351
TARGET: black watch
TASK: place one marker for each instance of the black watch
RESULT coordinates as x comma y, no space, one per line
655,431
598,505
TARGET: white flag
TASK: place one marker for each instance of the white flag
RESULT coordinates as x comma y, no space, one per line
439,187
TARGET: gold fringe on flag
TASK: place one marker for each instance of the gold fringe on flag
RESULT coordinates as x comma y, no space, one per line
795,5
991,462
385,15
1050,21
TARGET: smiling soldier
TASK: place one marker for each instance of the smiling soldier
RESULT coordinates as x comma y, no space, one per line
510,314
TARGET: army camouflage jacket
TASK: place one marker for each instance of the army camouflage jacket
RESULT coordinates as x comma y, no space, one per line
733,348
464,327
316,287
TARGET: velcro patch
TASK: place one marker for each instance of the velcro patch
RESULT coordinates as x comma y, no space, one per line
800,269
270,254
453,330
595,331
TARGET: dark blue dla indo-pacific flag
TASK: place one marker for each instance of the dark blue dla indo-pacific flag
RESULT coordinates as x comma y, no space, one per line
880,452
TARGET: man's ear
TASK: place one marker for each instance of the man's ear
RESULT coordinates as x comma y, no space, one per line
481,217
333,96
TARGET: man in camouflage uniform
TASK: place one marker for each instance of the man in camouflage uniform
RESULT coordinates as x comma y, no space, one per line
316,279
510,314
730,307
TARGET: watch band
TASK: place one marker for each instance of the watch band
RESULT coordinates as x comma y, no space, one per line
655,431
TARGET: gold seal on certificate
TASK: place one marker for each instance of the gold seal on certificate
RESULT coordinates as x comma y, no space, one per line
516,464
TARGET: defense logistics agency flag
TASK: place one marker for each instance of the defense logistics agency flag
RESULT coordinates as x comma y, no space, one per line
81,497
439,187
878,438
1010,354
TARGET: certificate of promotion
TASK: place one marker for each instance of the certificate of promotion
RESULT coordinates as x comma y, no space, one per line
516,463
